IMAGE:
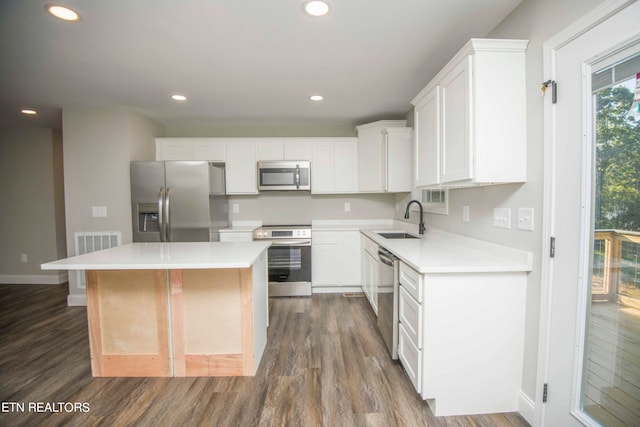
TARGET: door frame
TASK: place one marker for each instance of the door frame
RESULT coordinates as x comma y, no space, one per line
550,49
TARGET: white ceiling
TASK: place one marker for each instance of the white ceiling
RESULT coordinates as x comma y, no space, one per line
247,61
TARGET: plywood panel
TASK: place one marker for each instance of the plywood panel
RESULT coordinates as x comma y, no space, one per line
213,365
128,322
246,288
128,312
177,323
212,311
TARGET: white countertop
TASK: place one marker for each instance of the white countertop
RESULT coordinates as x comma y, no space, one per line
241,227
441,252
174,255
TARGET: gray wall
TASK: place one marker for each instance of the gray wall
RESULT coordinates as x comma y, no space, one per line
537,21
300,208
99,144
258,129
32,204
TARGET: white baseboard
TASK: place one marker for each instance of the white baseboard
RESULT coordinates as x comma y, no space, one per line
34,279
76,300
527,408
335,289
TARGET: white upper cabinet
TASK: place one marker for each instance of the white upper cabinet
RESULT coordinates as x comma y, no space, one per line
297,149
334,166
396,153
427,134
374,152
210,149
470,120
284,149
334,160
240,167
270,150
455,95
174,149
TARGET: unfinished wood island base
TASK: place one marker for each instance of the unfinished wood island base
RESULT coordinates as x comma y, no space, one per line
195,317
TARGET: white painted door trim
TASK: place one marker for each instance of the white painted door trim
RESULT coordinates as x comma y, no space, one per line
550,48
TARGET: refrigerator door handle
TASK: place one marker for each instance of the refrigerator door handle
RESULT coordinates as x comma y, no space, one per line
161,213
166,216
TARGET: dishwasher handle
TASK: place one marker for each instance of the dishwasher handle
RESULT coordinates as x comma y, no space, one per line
386,257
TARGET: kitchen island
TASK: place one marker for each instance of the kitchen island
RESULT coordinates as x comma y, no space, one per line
175,309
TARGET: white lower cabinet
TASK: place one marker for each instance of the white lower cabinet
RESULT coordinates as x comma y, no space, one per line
335,260
410,316
461,338
410,329
410,357
370,272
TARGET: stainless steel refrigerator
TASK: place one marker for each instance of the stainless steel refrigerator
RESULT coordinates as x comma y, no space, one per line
178,201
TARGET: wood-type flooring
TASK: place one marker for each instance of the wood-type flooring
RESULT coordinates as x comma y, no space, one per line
325,365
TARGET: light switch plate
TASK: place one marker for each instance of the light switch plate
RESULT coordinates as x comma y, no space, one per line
99,211
465,213
502,217
525,219
347,207
235,207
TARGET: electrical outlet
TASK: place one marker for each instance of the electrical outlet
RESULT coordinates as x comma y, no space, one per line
502,218
465,213
525,219
235,207
23,257
347,207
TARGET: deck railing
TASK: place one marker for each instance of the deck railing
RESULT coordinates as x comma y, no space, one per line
616,271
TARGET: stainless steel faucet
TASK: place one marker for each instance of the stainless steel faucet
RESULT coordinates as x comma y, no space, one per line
406,215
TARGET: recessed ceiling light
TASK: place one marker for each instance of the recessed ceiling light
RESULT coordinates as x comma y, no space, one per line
62,12
178,97
316,97
316,7
28,111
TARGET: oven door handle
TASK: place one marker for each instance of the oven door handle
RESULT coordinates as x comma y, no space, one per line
291,243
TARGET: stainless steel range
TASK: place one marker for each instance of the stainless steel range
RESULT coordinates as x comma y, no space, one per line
289,259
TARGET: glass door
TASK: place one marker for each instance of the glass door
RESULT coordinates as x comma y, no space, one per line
610,390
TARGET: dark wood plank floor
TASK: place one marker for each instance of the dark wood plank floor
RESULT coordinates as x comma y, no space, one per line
325,365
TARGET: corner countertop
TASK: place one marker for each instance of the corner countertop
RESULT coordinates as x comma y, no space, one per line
166,256
242,227
442,252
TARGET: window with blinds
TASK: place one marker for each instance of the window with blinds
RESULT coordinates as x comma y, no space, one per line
615,73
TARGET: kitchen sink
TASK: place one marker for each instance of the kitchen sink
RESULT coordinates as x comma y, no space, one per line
396,235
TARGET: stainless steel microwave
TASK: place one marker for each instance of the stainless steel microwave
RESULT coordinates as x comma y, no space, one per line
278,175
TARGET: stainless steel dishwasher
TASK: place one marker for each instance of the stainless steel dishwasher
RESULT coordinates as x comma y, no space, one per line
388,300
